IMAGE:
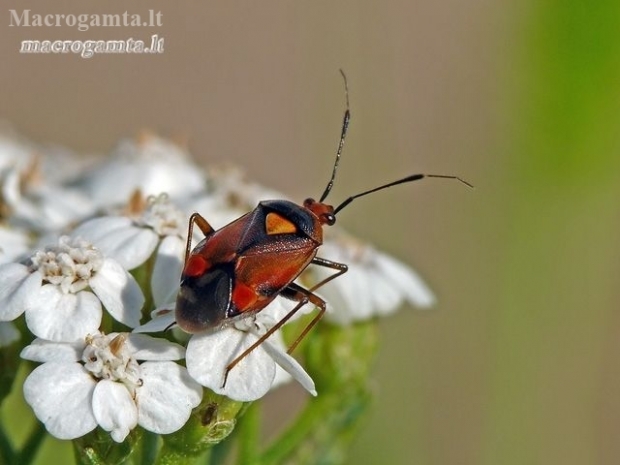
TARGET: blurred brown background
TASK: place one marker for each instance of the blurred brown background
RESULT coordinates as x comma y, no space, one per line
517,363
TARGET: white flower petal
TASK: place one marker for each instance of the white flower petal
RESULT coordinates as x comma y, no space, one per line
215,209
375,285
161,322
281,377
61,396
151,164
337,306
290,365
119,239
348,297
145,347
114,409
59,206
56,316
167,270
279,308
410,284
166,398
12,193
14,244
386,296
208,355
119,292
360,288
17,285
15,151
97,229
47,351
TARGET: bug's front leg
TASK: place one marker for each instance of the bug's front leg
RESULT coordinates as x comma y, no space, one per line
340,268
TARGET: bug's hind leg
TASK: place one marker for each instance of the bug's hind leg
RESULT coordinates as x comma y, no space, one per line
200,221
302,296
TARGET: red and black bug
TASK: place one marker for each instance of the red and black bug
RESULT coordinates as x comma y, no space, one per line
236,271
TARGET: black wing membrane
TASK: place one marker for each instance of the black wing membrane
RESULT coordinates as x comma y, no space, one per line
203,301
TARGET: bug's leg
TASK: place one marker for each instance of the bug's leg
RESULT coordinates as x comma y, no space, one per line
204,226
312,298
340,268
302,297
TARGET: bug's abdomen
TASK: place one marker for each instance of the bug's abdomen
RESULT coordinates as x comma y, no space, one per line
203,301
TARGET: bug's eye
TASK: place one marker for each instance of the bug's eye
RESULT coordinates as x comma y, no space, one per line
277,224
328,219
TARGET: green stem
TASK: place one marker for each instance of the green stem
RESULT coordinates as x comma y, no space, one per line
172,456
98,448
248,435
32,445
149,448
322,432
339,360
7,452
143,274
221,450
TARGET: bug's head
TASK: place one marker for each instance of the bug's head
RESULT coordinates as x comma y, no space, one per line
324,212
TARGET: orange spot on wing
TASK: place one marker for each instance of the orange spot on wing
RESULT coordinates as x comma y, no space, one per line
277,224
196,265
243,296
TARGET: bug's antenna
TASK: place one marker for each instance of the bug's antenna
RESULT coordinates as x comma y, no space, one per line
343,135
411,178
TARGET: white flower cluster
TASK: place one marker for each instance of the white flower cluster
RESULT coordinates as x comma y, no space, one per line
83,247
